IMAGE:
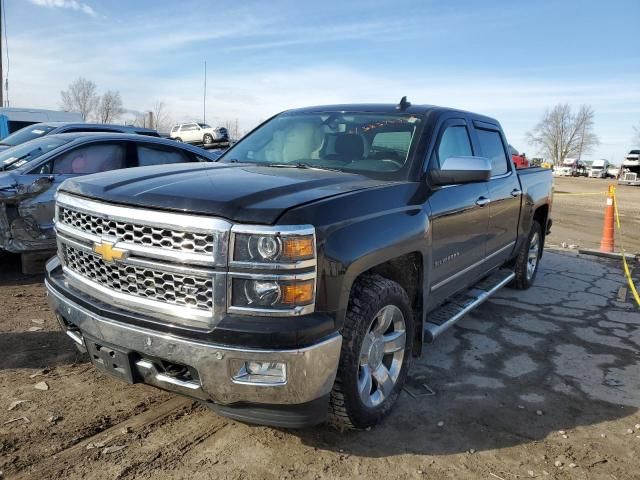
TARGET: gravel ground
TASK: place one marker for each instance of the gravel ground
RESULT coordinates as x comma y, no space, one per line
577,219
540,384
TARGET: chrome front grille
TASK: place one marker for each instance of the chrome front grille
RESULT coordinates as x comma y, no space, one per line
172,266
136,233
150,283
630,177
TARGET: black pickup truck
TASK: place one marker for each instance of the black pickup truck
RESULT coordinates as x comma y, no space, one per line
293,280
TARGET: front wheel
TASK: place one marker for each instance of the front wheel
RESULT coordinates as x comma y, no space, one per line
207,139
528,259
376,351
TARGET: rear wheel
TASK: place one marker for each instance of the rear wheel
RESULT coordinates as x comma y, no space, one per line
376,351
178,139
526,267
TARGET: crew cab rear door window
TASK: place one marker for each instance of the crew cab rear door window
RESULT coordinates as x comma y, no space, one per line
149,154
491,147
454,142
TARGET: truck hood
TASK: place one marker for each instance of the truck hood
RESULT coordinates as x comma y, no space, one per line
238,192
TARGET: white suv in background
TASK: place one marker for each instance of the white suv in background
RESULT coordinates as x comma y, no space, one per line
199,133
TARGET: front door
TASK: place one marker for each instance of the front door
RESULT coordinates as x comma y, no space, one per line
459,217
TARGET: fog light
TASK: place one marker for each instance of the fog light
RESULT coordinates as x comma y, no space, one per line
259,373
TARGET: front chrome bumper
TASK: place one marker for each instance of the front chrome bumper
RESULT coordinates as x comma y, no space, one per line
310,371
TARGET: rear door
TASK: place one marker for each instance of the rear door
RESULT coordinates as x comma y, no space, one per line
504,193
459,219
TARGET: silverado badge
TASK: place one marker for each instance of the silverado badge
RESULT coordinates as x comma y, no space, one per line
108,252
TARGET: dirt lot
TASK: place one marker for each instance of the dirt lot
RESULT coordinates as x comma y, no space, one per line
578,218
528,380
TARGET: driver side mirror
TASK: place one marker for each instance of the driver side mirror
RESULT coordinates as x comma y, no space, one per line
457,170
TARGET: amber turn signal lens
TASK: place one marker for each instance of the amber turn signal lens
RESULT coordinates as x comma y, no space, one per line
298,293
298,248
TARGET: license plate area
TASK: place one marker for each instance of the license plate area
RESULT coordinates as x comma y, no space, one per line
108,359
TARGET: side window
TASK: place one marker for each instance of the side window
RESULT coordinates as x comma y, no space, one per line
189,127
491,146
155,155
454,143
90,159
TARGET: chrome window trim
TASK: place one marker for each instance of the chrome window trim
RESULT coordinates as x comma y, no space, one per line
471,267
291,312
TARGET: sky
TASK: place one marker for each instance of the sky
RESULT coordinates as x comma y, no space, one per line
506,59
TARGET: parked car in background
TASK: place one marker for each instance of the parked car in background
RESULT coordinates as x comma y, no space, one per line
13,119
295,278
519,159
199,134
34,170
51,128
630,170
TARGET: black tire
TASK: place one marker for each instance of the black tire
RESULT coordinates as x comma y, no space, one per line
370,294
524,277
207,139
178,139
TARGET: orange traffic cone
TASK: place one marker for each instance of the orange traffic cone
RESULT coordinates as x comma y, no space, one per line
607,243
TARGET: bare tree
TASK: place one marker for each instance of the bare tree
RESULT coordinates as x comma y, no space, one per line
157,118
110,107
80,97
563,134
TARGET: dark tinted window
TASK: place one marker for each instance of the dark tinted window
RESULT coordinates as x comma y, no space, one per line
157,155
90,159
454,143
491,146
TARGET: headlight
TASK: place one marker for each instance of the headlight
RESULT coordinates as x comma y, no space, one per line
274,294
272,270
273,248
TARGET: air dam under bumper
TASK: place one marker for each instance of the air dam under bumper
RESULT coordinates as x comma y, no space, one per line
310,371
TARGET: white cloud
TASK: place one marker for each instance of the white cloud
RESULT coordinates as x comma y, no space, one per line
69,4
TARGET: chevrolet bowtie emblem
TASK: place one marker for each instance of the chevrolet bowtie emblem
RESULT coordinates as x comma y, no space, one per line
108,252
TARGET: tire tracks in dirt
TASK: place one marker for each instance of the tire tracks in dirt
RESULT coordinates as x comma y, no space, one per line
51,466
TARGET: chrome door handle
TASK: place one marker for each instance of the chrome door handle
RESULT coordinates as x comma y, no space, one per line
516,192
482,201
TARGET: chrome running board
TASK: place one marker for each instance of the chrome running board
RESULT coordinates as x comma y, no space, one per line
448,314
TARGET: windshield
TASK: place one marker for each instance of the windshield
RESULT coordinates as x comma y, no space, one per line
376,145
20,155
26,134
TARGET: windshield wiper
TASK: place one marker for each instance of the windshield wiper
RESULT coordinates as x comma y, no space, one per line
303,165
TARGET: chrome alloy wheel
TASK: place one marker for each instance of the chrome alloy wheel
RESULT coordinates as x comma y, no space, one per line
533,255
381,356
